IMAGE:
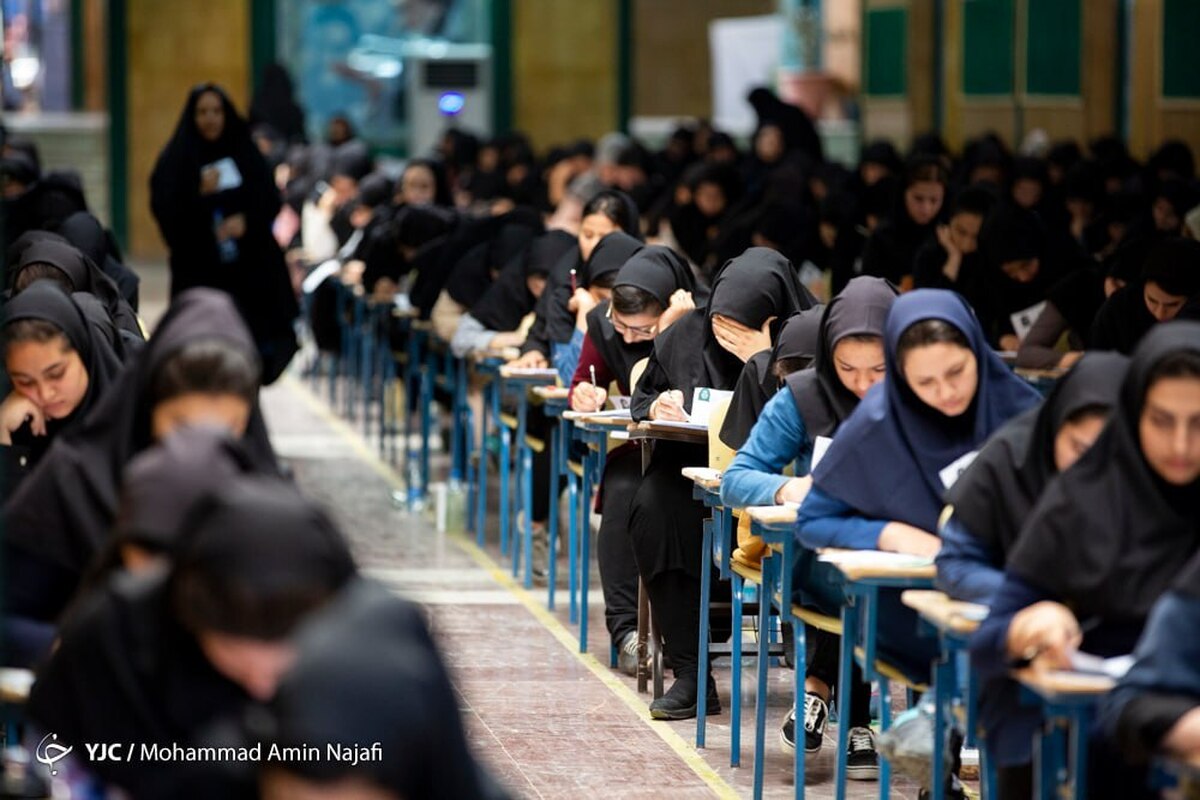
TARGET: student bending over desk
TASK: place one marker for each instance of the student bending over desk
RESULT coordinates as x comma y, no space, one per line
849,360
987,506
704,348
1107,538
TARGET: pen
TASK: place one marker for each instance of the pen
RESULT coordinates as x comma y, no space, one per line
573,287
592,370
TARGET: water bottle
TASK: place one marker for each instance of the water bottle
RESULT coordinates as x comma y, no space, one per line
227,250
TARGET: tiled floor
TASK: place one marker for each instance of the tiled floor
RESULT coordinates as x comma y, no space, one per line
549,721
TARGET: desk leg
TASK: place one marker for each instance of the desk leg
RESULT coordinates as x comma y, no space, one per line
428,374
643,632
523,527
556,438
585,546
735,694
1080,732
481,492
505,467
800,643
849,640
572,544
1050,758
944,684
705,599
764,655
885,722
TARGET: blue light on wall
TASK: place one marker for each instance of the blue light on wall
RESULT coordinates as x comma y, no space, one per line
451,103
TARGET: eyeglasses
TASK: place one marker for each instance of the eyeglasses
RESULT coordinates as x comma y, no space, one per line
632,330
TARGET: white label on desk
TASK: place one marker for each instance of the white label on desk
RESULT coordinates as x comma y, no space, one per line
703,400
951,473
1023,320
820,445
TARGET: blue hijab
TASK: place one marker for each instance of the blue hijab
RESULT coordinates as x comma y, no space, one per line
886,458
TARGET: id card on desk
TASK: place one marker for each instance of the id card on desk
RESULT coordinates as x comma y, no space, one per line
703,401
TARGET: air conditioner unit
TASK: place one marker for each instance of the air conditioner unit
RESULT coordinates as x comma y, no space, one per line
447,85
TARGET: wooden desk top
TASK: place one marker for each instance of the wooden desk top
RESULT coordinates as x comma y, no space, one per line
503,354
857,566
704,477
1049,683
1051,374
943,612
422,325
406,313
674,432
774,515
538,374
551,392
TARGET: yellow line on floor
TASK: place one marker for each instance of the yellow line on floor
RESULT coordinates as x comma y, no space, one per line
570,641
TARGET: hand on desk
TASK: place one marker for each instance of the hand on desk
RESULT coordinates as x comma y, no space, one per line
586,397
794,491
531,360
669,407
507,339
899,537
1044,634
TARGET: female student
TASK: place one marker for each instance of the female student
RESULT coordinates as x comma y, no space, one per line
595,286
85,232
1104,542
992,499
215,200
200,366
761,377
367,670
651,291
952,259
608,212
48,258
880,484
849,361
891,251
1169,281
164,659
705,348
59,369
1156,706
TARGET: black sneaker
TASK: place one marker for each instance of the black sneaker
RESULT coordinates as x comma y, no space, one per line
679,702
787,734
816,714
862,762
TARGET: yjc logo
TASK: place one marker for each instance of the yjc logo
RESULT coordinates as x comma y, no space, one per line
50,752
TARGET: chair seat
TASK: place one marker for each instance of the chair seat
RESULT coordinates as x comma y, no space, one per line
535,444
509,421
892,672
575,467
822,622
746,573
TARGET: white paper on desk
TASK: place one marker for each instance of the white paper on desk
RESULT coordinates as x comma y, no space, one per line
1114,667
613,413
954,470
531,372
820,445
228,175
875,558
685,426
620,401
1023,320
703,400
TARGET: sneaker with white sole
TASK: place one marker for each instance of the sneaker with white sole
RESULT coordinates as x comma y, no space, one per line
862,762
627,654
816,714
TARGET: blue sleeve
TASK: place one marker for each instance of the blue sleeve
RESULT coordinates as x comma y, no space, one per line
989,644
825,521
966,567
777,439
566,357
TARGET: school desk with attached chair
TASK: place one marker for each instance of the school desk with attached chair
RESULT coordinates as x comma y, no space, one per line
554,404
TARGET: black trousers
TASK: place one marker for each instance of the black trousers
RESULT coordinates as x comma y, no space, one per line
824,649
618,569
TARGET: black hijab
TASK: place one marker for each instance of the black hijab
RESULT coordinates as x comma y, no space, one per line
996,493
62,513
1171,263
129,667
275,104
656,270
84,231
1109,536
84,276
609,255
257,279
752,288
368,671
822,399
45,301
758,382
494,248
508,299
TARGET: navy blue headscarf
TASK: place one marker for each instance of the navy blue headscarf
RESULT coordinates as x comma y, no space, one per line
886,458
